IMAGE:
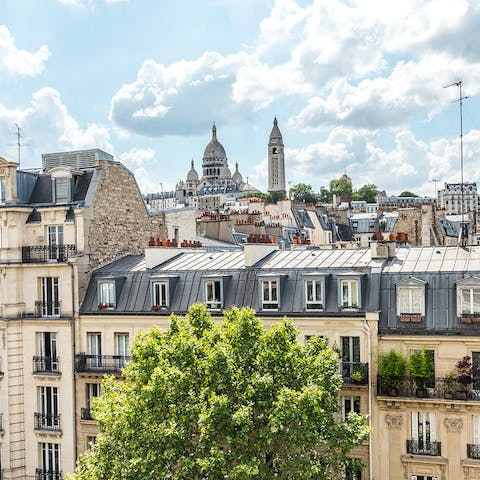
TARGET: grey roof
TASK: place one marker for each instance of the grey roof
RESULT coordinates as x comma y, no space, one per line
302,217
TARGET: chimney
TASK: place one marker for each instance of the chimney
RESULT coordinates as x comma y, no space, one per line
155,255
382,250
258,247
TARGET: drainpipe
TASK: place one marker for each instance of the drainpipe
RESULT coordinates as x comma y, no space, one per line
73,343
368,331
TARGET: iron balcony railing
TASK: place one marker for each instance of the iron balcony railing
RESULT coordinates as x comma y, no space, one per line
45,365
47,253
100,363
47,309
421,447
354,373
473,451
46,421
446,388
86,414
41,474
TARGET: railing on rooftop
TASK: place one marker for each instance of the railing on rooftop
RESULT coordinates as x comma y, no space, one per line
47,253
354,373
45,365
100,363
446,388
46,421
421,447
41,474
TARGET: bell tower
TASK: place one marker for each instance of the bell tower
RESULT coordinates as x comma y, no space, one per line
276,160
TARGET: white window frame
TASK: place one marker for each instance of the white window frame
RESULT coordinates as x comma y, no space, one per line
122,348
420,432
3,189
107,294
317,290
50,457
269,302
210,293
47,349
406,289
160,294
353,289
352,399
48,401
468,308
55,235
50,306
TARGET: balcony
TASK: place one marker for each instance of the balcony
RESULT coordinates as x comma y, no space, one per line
86,414
448,389
47,309
47,253
355,373
100,363
473,451
420,447
45,365
41,474
46,421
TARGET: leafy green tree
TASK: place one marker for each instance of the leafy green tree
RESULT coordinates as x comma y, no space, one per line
324,196
230,400
303,193
367,193
406,193
341,186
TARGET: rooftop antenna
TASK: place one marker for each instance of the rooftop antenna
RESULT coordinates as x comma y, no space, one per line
19,143
460,100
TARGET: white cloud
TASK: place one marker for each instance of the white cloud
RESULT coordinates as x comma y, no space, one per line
87,3
48,127
16,61
140,161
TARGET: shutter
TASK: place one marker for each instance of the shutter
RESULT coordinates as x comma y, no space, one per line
415,425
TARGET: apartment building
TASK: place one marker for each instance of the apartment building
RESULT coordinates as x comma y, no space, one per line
56,224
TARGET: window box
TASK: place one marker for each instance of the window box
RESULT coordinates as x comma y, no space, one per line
159,308
106,306
470,318
411,318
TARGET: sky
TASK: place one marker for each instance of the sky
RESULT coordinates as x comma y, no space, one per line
357,86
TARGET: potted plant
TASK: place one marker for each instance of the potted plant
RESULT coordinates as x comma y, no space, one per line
357,376
391,368
465,375
450,381
422,370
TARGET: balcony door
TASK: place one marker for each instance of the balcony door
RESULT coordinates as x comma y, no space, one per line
423,430
49,407
50,303
122,348
94,350
350,354
50,461
47,350
55,242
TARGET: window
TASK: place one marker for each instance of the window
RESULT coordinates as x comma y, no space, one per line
62,189
91,440
49,305
349,293
48,418
350,355
423,433
350,403
314,294
469,301
55,242
411,297
122,348
106,294
94,358
476,367
159,295
46,360
50,461
213,294
270,295
3,189
93,390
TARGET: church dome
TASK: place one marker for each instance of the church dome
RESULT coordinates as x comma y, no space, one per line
192,175
214,150
237,177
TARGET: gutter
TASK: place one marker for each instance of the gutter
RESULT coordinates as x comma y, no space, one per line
370,386
73,343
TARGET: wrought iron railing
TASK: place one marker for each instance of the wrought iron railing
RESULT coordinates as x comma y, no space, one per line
421,447
446,388
45,365
473,451
46,421
100,363
86,414
355,372
48,253
47,309
41,474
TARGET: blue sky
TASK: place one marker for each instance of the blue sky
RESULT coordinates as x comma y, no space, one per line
356,85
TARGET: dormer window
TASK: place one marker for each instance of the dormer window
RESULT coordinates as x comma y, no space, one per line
314,292
349,291
411,299
468,297
213,294
63,183
270,292
3,189
62,189
106,295
159,295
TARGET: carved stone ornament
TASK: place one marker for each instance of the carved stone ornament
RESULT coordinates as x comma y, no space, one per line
453,424
393,421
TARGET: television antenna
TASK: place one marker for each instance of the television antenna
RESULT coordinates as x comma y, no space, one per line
19,143
460,99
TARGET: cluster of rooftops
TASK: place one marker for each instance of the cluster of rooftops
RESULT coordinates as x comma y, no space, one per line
416,289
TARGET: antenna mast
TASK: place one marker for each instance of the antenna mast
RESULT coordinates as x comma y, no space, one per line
460,100
19,141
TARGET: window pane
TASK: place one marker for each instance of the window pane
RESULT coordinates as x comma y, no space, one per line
274,290
318,290
309,291
465,296
266,291
476,300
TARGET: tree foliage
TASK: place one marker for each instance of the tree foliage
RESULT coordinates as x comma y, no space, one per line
271,197
367,193
303,193
223,401
340,186
406,193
